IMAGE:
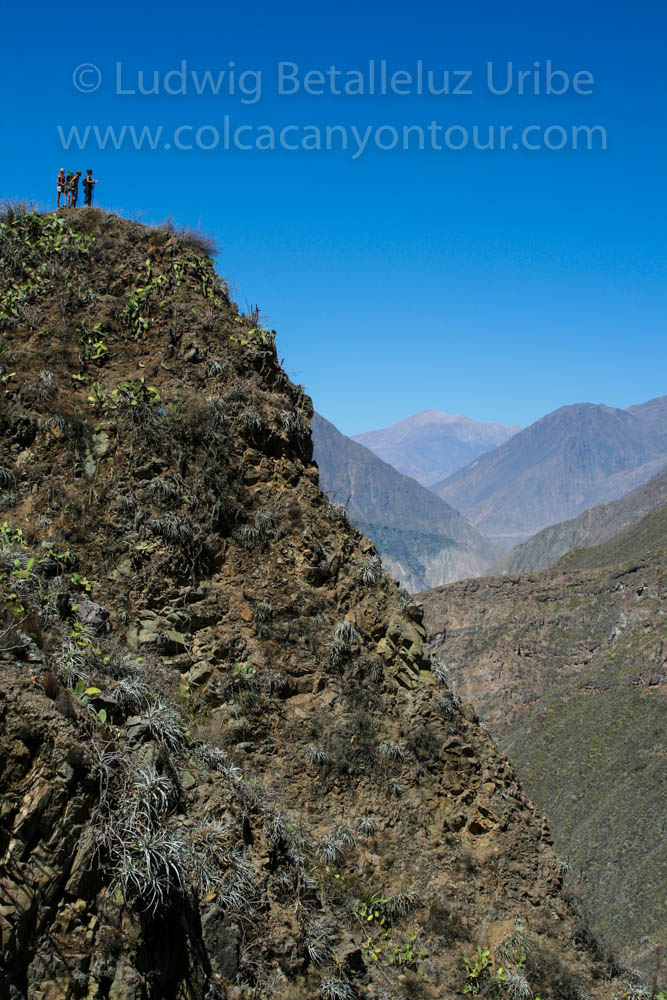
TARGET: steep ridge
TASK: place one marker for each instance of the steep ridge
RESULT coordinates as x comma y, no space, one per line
227,768
594,526
423,541
573,458
642,542
429,446
569,672
653,415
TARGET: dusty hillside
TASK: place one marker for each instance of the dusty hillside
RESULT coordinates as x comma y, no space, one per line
569,672
643,542
591,528
227,768
423,542
571,459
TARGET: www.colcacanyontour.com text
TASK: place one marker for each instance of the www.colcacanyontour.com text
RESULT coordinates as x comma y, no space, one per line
354,140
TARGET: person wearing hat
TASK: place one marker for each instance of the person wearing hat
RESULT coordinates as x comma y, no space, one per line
61,187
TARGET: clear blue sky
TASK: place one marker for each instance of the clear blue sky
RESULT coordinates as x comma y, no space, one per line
499,284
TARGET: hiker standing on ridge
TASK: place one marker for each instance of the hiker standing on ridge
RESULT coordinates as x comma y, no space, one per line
88,184
68,186
60,187
74,189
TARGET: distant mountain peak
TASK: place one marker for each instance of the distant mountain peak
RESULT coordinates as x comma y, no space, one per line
430,445
438,417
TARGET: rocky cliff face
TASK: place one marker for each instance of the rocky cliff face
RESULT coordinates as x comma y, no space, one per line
569,672
227,766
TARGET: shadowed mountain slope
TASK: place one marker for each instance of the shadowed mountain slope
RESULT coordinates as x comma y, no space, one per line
421,538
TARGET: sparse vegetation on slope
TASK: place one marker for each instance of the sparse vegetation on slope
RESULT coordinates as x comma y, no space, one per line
226,767
643,542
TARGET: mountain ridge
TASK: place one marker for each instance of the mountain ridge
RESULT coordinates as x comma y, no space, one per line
563,463
653,413
429,445
422,540
593,526
641,541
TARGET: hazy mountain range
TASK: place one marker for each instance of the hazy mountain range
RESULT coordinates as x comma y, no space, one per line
535,488
653,416
573,458
429,446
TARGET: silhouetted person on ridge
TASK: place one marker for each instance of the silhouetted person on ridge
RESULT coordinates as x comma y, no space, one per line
88,184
